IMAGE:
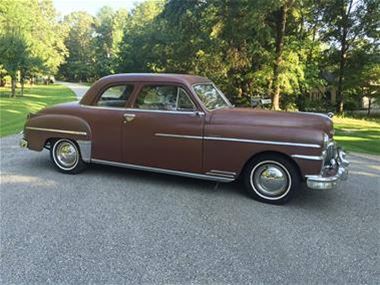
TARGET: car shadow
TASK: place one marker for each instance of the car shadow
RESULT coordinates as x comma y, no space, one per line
362,171
152,178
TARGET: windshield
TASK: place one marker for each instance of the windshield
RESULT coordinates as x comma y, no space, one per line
211,96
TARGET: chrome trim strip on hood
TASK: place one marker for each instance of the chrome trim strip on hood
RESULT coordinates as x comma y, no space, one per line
307,157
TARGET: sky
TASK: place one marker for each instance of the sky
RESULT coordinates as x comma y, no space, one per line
65,7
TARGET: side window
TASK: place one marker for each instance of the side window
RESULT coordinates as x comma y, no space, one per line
166,98
183,101
115,96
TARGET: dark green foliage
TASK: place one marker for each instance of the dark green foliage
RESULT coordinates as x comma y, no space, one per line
285,49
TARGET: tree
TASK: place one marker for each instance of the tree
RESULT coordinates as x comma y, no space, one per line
79,64
109,27
141,35
281,16
346,23
14,53
31,38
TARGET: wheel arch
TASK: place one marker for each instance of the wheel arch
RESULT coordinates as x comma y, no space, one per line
271,152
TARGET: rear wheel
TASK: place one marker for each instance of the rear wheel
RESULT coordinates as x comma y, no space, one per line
66,156
272,179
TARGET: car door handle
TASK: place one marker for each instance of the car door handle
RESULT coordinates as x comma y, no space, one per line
128,117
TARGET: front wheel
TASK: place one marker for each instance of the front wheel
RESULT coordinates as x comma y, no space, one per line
65,155
272,179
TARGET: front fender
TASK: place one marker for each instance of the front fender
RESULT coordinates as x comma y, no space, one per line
43,127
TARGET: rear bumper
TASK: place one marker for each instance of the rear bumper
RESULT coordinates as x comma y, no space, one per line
330,182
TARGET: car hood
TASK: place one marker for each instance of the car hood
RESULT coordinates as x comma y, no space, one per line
260,117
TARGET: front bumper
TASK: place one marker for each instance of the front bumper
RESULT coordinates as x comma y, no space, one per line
23,143
324,181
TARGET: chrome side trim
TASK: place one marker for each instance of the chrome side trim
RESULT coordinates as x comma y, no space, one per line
85,150
238,140
178,136
307,157
165,171
223,172
57,131
220,175
262,142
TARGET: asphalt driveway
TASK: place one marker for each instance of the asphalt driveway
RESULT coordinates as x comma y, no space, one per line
77,88
112,225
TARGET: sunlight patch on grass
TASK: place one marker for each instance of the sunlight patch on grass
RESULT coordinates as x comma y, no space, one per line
13,111
358,135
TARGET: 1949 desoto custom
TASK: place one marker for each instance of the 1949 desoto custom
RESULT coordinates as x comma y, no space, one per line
184,125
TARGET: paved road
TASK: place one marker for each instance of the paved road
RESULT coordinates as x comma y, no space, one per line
110,225
79,89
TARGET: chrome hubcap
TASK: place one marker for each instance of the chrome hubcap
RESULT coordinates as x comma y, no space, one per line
66,154
270,180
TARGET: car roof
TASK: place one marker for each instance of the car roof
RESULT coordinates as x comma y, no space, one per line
157,77
185,79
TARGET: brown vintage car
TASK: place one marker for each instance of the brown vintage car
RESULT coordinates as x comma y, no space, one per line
184,125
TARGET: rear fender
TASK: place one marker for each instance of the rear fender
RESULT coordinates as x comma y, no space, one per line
38,130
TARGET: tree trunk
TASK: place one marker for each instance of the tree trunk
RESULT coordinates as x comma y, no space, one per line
22,86
280,33
2,81
13,86
369,106
339,91
342,57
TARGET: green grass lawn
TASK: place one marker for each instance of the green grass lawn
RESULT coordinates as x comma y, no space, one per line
358,135
13,111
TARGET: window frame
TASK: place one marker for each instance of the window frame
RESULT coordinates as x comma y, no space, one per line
187,91
225,99
100,92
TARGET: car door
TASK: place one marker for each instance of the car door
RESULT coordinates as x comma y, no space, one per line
105,117
164,129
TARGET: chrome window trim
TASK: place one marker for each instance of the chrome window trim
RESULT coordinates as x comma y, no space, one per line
102,107
165,111
307,157
165,171
196,112
57,131
238,140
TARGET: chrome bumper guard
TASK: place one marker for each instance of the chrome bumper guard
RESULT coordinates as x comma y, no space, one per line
23,143
320,182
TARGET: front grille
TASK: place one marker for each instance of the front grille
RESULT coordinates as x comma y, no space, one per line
331,152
